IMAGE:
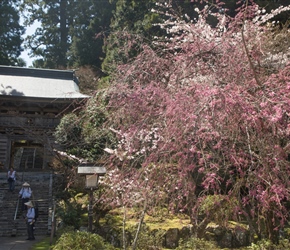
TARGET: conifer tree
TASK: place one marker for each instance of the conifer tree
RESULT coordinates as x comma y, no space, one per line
68,31
10,33
132,22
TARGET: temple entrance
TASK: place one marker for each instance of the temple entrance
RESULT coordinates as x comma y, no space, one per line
31,111
27,155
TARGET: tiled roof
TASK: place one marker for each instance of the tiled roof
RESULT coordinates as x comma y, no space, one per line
40,83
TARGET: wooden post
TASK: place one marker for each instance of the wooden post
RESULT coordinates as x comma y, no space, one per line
53,224
90,212
92,173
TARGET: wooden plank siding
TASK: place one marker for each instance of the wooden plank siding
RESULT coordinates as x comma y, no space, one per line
4,149
32,103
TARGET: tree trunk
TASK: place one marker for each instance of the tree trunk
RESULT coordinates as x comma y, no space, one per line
139,225
124,225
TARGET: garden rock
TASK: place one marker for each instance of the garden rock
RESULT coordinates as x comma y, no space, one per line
228,237
172,237
185,232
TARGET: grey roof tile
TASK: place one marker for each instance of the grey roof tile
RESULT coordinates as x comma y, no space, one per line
41,83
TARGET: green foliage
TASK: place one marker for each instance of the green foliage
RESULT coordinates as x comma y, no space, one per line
81,240
268,245
96,114
69,130
70,213
104,82
160,214
131,25
43,244
112,220
148,239
50,40
68,32
21,62
87,43
196,244
220,209
85,135
10,33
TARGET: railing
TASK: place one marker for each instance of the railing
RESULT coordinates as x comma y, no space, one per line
35,201
17,205
16,210
53,224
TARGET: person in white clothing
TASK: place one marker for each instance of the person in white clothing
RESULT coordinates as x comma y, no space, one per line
11,178
25,194
30,219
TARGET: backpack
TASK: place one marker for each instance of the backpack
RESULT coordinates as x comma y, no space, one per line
35,210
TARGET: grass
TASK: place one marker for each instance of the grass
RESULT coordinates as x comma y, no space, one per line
153,222
44,244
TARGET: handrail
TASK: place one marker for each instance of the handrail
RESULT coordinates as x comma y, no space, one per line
16,210
17,205
53,224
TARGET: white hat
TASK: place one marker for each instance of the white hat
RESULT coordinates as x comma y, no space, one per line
25,184
29,203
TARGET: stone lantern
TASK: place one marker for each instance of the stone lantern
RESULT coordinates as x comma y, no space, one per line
91,173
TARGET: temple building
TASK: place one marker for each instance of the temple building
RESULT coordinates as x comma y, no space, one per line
32,103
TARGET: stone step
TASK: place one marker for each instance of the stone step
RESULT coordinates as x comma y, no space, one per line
8,201
20,233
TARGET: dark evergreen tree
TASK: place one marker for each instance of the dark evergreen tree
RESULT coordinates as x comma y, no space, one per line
134,22
68,32
91,23
10,33
50,41
130,19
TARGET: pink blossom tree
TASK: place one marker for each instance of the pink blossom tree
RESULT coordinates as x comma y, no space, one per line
204,111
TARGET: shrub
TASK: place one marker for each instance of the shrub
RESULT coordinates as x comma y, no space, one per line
148,239
220,209
81,240
196,244
70,214
268,245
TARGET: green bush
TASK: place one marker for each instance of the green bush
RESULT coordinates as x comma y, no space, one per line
81,240
218,208
268,245
70,214
147,239
196,244
69,130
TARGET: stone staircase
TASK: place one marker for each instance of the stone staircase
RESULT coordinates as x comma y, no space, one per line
12,222
31,157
